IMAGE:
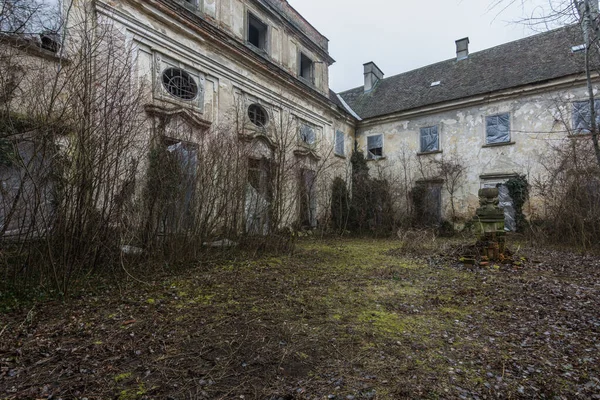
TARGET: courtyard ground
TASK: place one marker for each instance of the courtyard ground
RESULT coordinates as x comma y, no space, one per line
343,319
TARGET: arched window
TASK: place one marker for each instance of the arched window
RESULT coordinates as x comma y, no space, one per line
257,115
180,84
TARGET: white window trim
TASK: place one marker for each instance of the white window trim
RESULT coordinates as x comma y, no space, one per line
161,63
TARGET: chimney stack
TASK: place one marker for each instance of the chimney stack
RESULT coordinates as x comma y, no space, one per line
462,49
372,75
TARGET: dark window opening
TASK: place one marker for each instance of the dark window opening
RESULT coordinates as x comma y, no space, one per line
175,184
308,198
259,195
257,115
427,203
257,32
180,84
374,147
306,68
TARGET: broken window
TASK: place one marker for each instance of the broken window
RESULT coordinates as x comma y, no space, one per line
582,117
374,147
306,68
307,134
257,115
257,32
497,129
308,198
429,139
340,143
259,193
180,83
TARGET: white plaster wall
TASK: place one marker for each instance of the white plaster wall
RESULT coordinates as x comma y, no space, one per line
538,121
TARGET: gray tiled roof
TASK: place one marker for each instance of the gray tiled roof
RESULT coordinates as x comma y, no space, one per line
527,61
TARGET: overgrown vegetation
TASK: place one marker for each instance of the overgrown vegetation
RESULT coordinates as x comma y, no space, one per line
342,318
518,188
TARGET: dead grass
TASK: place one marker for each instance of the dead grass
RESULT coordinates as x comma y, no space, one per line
341,318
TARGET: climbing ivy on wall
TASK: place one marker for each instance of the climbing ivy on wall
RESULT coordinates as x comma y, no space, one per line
518,188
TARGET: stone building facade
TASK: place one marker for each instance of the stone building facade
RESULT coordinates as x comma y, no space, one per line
260,70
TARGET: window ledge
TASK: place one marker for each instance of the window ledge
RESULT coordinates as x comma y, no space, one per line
498,144
377,159
576,135
427,153
340,155
257,50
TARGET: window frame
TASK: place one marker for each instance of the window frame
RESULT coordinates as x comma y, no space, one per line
584,131
189,75
343,144
311,78
301,137
485,125
266,115
437,147
252,17
376,157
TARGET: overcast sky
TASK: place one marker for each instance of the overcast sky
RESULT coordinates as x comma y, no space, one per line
400,35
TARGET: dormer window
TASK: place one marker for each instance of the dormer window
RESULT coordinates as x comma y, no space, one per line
257,32
307,67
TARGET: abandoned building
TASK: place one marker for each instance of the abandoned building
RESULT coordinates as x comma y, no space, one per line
205,64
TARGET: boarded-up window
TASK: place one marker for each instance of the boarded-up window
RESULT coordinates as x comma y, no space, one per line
582,117
429,139
308,198
307,134
497,129
374,147
340,143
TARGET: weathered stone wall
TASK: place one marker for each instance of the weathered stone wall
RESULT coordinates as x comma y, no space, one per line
231,80
538,121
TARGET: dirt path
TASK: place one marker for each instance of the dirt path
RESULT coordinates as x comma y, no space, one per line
351,319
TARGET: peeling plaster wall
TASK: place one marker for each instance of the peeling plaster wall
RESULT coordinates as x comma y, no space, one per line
227,77
537,121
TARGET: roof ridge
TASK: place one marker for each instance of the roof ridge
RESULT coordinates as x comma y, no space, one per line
470,55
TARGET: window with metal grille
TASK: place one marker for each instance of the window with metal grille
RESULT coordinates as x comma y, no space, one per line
257,115
180,84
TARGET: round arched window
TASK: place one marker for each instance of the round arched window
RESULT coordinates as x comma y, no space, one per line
180,84
257,115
